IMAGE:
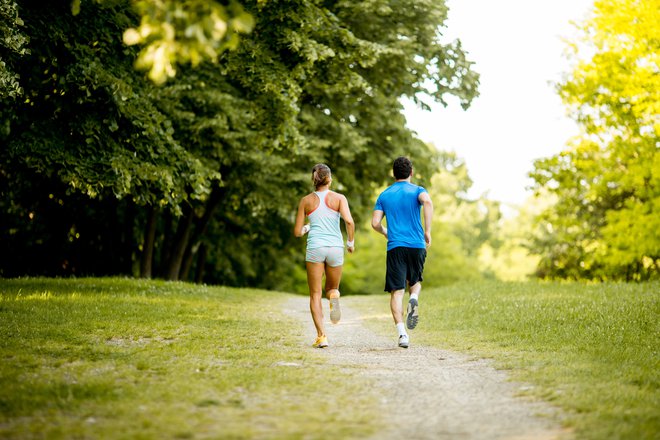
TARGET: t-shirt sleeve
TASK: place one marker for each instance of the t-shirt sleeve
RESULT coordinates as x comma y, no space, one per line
420,190
379,205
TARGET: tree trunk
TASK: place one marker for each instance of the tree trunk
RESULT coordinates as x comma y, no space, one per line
201,226
201,261
181,239
147,257
165,245
188,256
128,239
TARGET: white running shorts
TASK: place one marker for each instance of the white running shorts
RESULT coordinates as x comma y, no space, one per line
332,256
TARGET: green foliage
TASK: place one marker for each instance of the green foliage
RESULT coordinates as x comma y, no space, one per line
212,163
117,358
14,41
89,120
607,183
506,255
172,32
460,225
364,270
192,32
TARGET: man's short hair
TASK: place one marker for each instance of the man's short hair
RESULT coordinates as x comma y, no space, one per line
402,168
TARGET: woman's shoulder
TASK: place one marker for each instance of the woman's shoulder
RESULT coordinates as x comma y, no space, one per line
336,195
309,198
335,199
310,201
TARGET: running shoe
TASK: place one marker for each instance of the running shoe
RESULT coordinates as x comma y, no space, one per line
403,341
321,342
335,311
413,314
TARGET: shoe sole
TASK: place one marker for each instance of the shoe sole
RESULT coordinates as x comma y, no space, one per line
403,345
413,315
335,311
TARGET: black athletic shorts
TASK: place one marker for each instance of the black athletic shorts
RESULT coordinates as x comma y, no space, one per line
404,264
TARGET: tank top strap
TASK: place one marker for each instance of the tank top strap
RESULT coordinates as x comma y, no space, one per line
322,196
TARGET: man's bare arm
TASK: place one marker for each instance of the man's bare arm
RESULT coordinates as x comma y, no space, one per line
427,207
376,222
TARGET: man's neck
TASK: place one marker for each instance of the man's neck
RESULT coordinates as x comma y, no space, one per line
403,180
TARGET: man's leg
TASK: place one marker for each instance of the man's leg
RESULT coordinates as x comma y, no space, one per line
396,306
412,314
416,259
395,283
415,289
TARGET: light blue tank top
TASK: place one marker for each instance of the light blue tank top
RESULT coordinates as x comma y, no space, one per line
324,225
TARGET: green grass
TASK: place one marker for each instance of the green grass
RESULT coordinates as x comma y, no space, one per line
593,350
116,358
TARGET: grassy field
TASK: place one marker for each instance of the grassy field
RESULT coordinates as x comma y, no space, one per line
114,358
593,350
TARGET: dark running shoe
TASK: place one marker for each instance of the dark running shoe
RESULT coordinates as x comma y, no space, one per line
413,314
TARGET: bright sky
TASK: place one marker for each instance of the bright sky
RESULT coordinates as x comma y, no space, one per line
517,48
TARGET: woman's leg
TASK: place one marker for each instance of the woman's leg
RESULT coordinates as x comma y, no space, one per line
315,280
332,279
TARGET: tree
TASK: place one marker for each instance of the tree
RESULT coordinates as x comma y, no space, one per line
202,174
13,41
507,254
87,120
461,225
607,183
322,80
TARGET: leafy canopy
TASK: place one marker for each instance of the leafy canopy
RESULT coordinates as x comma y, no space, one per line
221,152
607,183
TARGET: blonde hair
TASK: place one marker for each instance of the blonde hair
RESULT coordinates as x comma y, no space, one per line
321,175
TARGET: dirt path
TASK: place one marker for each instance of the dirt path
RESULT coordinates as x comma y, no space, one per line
430,393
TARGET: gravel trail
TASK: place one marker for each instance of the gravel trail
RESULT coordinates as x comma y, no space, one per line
430,393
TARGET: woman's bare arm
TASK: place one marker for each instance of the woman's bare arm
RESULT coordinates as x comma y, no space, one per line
345,213
300,219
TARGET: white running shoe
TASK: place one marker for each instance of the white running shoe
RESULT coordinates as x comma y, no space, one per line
335,310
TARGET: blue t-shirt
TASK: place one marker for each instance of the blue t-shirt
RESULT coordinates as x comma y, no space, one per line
400,203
